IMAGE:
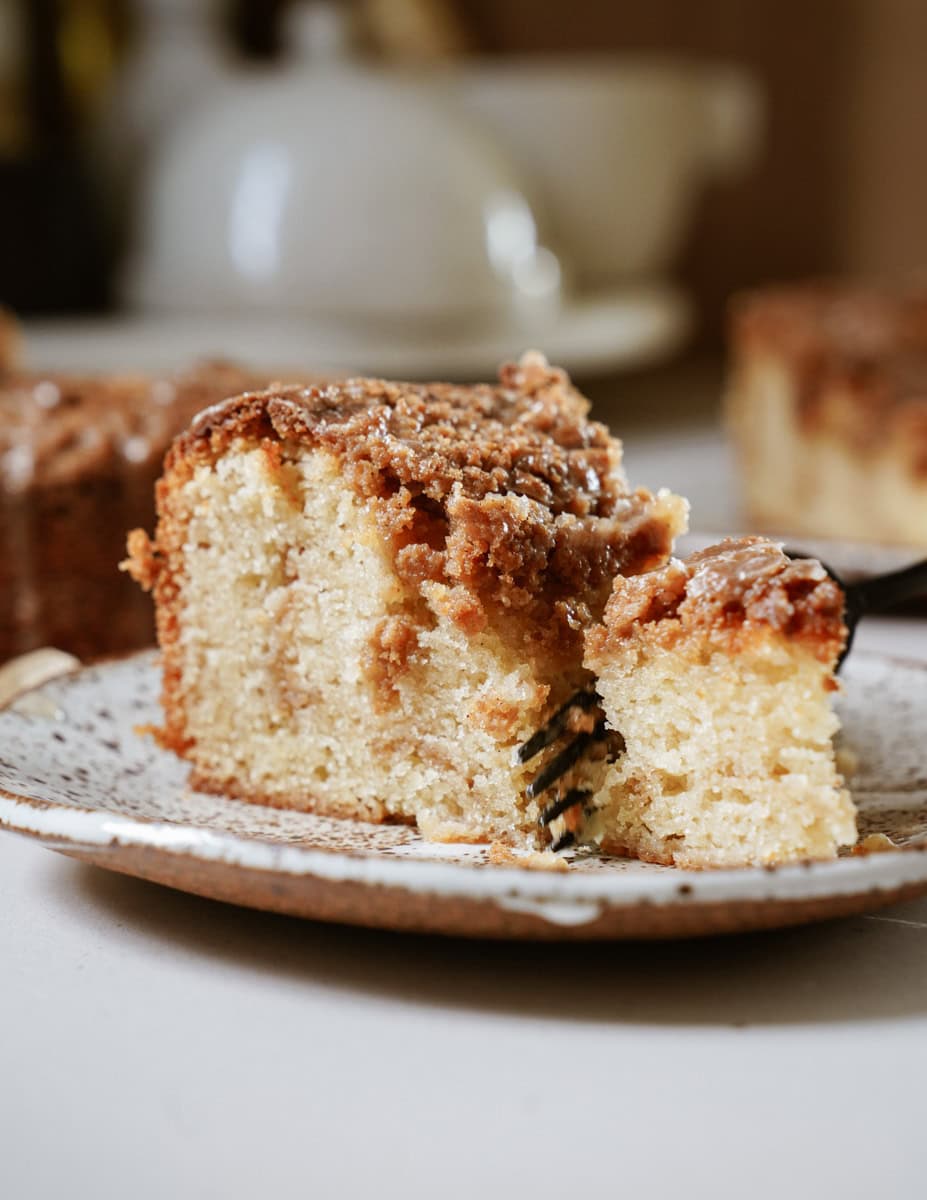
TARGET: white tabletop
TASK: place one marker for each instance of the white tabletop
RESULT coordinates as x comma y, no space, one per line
156,1045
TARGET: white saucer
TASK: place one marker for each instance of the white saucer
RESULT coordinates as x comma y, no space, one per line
616,330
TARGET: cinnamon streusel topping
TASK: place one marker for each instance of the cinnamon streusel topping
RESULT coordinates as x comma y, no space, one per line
858,358
730,591
56,428
508,495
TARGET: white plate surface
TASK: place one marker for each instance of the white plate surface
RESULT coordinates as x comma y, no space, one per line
76,773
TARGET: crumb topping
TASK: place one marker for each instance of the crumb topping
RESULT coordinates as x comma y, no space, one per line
507,495
850,323
740,586
858,358
528,437
57,428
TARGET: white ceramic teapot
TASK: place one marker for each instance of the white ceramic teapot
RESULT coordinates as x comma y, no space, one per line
336,191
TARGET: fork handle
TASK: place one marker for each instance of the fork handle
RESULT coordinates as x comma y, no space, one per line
885,591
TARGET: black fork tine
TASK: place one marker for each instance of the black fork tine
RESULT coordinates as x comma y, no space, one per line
571,798
585,698
564,841
562,762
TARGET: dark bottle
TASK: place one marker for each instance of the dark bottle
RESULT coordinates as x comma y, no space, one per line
53,257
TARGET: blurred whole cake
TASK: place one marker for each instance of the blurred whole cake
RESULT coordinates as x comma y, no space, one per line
79,457
827,406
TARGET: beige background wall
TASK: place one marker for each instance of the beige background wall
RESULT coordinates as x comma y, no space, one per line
885,212
843,183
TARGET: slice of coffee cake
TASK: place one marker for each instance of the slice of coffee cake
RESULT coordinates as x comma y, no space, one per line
718,672
368,594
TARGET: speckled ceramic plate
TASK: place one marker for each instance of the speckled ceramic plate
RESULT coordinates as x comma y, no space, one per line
75,774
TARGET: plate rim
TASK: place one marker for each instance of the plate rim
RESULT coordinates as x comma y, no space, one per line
856,873
570,895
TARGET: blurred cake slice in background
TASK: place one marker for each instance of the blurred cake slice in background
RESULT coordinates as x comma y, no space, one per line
827,405
79,456
718,673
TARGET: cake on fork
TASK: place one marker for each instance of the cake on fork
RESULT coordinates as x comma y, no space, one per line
368,594
718,673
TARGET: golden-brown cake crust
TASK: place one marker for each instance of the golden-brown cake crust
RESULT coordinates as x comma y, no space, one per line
728,592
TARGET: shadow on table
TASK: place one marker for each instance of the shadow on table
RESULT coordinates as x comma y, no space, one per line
861,968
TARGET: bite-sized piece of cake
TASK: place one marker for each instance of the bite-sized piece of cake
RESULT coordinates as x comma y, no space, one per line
718,673
79,457
368,594
827,404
